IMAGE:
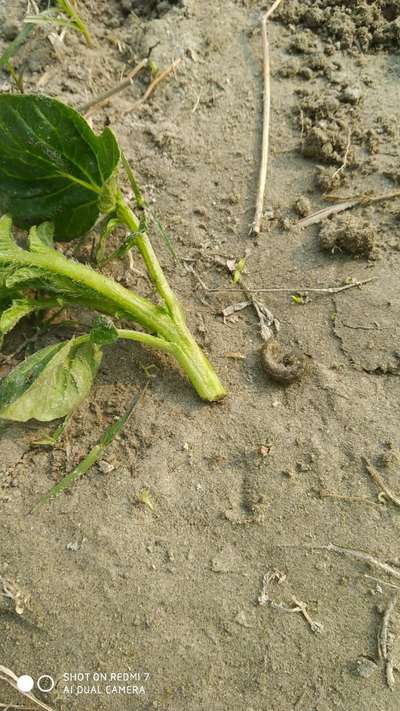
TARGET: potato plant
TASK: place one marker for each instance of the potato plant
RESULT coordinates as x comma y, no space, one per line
56,179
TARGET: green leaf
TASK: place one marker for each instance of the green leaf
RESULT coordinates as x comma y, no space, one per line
50,383
20,307
52,439
8,246
239,267
23,277
104,331
52,165
41,238
10,317
297,298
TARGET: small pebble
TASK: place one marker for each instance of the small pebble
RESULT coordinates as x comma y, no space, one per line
365,667
105,467
351,95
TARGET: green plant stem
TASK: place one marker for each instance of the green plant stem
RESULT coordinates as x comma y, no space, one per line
167,326
66,6
186,351
152,264
140,201
146,340
13,48
189,356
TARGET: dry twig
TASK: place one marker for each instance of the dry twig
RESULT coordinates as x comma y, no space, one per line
361,555
348,552
11,591
153,86
16,707
346,204
379,481
382,582
94,104
346,155
356,499
385,641
256,227
298,290
275,576
315,627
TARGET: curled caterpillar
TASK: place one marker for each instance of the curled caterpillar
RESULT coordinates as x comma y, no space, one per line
283,367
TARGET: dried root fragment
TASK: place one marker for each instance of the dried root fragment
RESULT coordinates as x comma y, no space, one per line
283,367
10,590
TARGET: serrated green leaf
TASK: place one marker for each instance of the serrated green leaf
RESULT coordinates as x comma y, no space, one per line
19,308
22,277
52,165
17,311
50,383
8,246
104,331
41,238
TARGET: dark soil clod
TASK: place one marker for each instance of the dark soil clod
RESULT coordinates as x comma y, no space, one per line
150,9
349,234
284,367
356,24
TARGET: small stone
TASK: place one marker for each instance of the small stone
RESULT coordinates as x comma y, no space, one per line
365,667
351,95
105,467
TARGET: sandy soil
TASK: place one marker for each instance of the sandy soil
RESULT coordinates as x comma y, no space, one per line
238,488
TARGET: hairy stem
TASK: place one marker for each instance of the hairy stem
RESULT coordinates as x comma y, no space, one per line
186,351
146,339
166,326
152,264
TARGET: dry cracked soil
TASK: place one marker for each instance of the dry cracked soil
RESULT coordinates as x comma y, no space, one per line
250,491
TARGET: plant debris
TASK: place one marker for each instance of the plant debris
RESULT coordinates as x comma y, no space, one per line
386,640
13,592
275,576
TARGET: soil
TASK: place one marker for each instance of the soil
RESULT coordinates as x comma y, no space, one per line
237,491
349,234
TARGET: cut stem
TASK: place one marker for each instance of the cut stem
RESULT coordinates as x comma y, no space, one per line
165,325
183,345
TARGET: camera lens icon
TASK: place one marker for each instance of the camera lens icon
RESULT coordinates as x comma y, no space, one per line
45,683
